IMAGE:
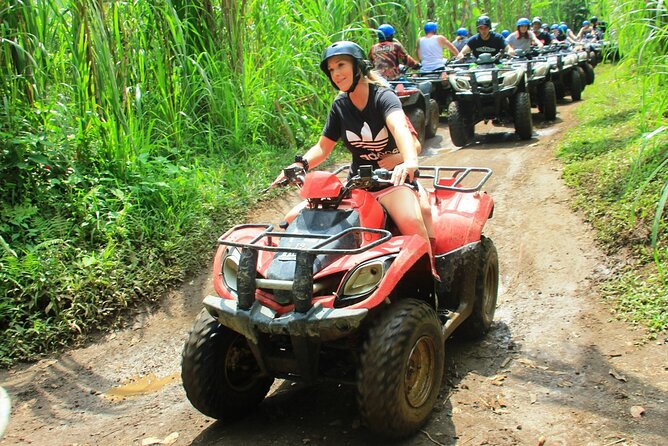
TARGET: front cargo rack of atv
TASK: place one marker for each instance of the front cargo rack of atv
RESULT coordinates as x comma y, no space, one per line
302,285
480,90
456,177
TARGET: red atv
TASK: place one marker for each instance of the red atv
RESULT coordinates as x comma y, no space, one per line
341,295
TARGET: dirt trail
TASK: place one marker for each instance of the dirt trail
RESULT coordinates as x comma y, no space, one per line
555,367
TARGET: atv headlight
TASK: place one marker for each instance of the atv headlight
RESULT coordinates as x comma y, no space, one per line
460,83
364,279
230,269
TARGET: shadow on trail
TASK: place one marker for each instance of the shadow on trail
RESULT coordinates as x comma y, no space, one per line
594,386
47,387
489,139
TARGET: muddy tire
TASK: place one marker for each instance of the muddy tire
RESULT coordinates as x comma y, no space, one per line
559,90
593,58
219,372
576,86
417,118
486,292
548,100
589,73
522,115
434,116
461,130
401,369
583,77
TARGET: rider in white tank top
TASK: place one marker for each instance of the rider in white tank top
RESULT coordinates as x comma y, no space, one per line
431,52
430,48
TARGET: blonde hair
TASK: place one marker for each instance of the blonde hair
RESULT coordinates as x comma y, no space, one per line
374,77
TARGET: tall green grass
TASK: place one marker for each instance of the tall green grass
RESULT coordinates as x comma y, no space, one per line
619,172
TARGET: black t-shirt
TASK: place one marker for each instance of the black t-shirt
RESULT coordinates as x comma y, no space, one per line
544,37
364,132
493,45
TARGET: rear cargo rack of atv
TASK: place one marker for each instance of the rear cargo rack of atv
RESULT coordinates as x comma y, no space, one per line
438,173
302,285
458,173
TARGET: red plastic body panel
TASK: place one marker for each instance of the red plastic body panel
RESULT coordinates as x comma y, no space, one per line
458,218
320,184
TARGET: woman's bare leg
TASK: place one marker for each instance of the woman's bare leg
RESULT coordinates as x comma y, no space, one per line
425,206
407,210
403,205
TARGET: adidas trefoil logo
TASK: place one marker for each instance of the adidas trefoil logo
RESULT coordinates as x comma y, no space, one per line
366,141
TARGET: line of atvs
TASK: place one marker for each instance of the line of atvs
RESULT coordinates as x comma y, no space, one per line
338,293
498,89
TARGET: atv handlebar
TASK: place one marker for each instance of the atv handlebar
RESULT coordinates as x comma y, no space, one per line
376,179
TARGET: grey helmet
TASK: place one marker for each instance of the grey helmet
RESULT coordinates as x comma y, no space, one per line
360,65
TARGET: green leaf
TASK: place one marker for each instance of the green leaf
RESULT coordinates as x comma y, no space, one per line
659,213
39,159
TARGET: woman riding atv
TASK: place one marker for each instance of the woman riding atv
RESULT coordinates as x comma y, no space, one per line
370,121
523,38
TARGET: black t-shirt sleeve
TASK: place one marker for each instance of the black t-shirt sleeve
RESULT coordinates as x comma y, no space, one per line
332,129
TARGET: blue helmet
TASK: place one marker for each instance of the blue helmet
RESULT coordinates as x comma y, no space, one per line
385,32
563,29
554,26
462,32
430,27
505,33
586,22
484,20
523,21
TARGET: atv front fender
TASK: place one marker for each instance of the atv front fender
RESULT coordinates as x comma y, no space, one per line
459,218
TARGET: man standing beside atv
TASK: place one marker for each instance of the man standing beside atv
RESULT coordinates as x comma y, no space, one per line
369,119
388,53
486,41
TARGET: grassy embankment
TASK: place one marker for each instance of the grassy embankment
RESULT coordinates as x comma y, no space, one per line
617,162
